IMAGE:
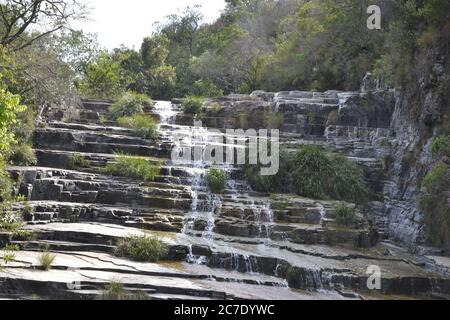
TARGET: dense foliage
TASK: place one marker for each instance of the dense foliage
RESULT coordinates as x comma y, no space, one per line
281,45
315,173
216,179
193,105
435,201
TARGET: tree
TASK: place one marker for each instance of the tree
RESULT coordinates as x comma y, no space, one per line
102,78
9,108
154,51
17,17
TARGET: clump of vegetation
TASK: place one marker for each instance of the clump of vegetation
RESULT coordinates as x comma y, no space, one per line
102,78
346,216
144,125
216,108
274,120
129,104
142,249
10,253
114,291
193,105
133,167
441,146
313,172
437,176
9,221
46,260
78,161
280,182
216,179
22,155
322,175
6,183
435,202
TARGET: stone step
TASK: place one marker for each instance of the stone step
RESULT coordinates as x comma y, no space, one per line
305,270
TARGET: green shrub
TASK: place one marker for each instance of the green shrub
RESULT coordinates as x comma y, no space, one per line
321,175
216,179
77,161
280,182
193,105
144,125
441,146
438,174
22,155
6,184
114,291
133,167
435,203
274,120
345,215
142,249
216,108
46,260
315,173
130,104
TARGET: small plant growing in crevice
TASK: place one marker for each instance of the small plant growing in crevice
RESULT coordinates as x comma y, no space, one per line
46,260
216,179
274,120
216,108
77,161
114,291
143,124
346,216
22,155
10,221
142,249
133,167
10,253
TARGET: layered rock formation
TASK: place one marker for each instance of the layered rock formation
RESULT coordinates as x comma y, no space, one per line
240,244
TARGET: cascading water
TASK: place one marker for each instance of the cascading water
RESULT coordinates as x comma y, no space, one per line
205,205
195,137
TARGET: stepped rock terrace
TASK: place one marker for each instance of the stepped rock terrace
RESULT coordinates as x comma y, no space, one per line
237,245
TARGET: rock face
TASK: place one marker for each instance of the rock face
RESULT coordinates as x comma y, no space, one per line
239,244
375,128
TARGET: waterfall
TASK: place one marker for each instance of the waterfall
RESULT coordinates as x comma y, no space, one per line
195,137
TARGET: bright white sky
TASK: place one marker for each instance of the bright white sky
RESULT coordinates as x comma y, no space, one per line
128,21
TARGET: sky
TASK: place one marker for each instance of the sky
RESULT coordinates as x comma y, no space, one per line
128,21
